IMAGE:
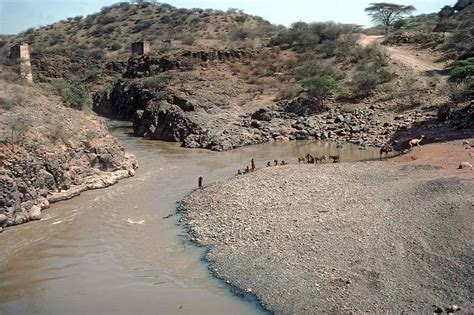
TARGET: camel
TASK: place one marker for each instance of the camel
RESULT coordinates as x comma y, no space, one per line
322,159
253,165
385,149
415,142
335,158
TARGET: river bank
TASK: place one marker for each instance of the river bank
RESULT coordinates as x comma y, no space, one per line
49,153
302,242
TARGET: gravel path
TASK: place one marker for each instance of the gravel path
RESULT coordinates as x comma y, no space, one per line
360,237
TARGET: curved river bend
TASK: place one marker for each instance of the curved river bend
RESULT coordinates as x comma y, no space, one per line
111,251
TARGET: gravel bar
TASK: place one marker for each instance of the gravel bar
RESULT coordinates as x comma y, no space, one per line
340,238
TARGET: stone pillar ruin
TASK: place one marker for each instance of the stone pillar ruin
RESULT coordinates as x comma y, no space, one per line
140,48
20,51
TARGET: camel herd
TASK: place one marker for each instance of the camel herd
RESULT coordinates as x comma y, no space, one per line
310,159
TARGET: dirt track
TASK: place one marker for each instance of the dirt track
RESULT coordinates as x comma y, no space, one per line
419,63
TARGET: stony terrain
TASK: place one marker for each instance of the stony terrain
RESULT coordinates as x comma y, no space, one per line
399,239
49,153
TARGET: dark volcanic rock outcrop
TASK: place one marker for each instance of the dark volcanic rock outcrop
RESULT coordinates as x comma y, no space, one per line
123,101
163,121
148,65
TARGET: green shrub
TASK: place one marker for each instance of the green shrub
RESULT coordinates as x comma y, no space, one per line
320,87
75,95
141,26
462,71
106,19
158,81
239,33
97,54
309,66
303,36
114,46
240,19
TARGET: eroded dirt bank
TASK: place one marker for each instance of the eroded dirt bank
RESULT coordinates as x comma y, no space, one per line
370,236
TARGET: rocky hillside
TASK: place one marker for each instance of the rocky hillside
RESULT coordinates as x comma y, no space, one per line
49,152
110,32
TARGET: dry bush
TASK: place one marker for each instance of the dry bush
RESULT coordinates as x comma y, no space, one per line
409,95
6,103
17,125
157,82
310,66
10,73
287,91
456,92
59,131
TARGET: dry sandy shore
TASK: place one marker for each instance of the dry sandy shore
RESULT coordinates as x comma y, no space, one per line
348,237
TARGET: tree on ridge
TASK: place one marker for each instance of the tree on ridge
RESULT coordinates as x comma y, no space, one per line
387,14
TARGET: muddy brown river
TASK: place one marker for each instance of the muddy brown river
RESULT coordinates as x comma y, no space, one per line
111,251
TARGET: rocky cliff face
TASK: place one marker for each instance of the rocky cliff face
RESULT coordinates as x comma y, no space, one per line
50,153
149,65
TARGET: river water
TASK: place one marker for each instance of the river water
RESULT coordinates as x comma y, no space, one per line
112,251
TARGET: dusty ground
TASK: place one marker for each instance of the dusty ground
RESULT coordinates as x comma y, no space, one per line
419,61
349,237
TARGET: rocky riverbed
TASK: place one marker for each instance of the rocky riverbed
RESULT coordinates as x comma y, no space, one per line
349,237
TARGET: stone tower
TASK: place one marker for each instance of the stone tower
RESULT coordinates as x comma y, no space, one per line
140,48
21,52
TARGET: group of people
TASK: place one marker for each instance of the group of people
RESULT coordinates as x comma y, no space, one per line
252,167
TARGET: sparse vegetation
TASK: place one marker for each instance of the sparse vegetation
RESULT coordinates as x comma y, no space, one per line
331,50
74,95
17,125
157,82
409,95
462,76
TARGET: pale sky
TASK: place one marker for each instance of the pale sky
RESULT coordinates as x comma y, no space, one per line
19,15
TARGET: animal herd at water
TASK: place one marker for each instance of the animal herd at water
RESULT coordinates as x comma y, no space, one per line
307,159
310,159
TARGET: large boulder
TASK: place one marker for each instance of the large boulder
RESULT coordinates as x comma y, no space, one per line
443,112
163,121
303,106
35,213
263,114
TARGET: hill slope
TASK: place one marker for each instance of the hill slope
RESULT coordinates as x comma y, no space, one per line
111,31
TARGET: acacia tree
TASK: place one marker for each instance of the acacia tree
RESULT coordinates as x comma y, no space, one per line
387,14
